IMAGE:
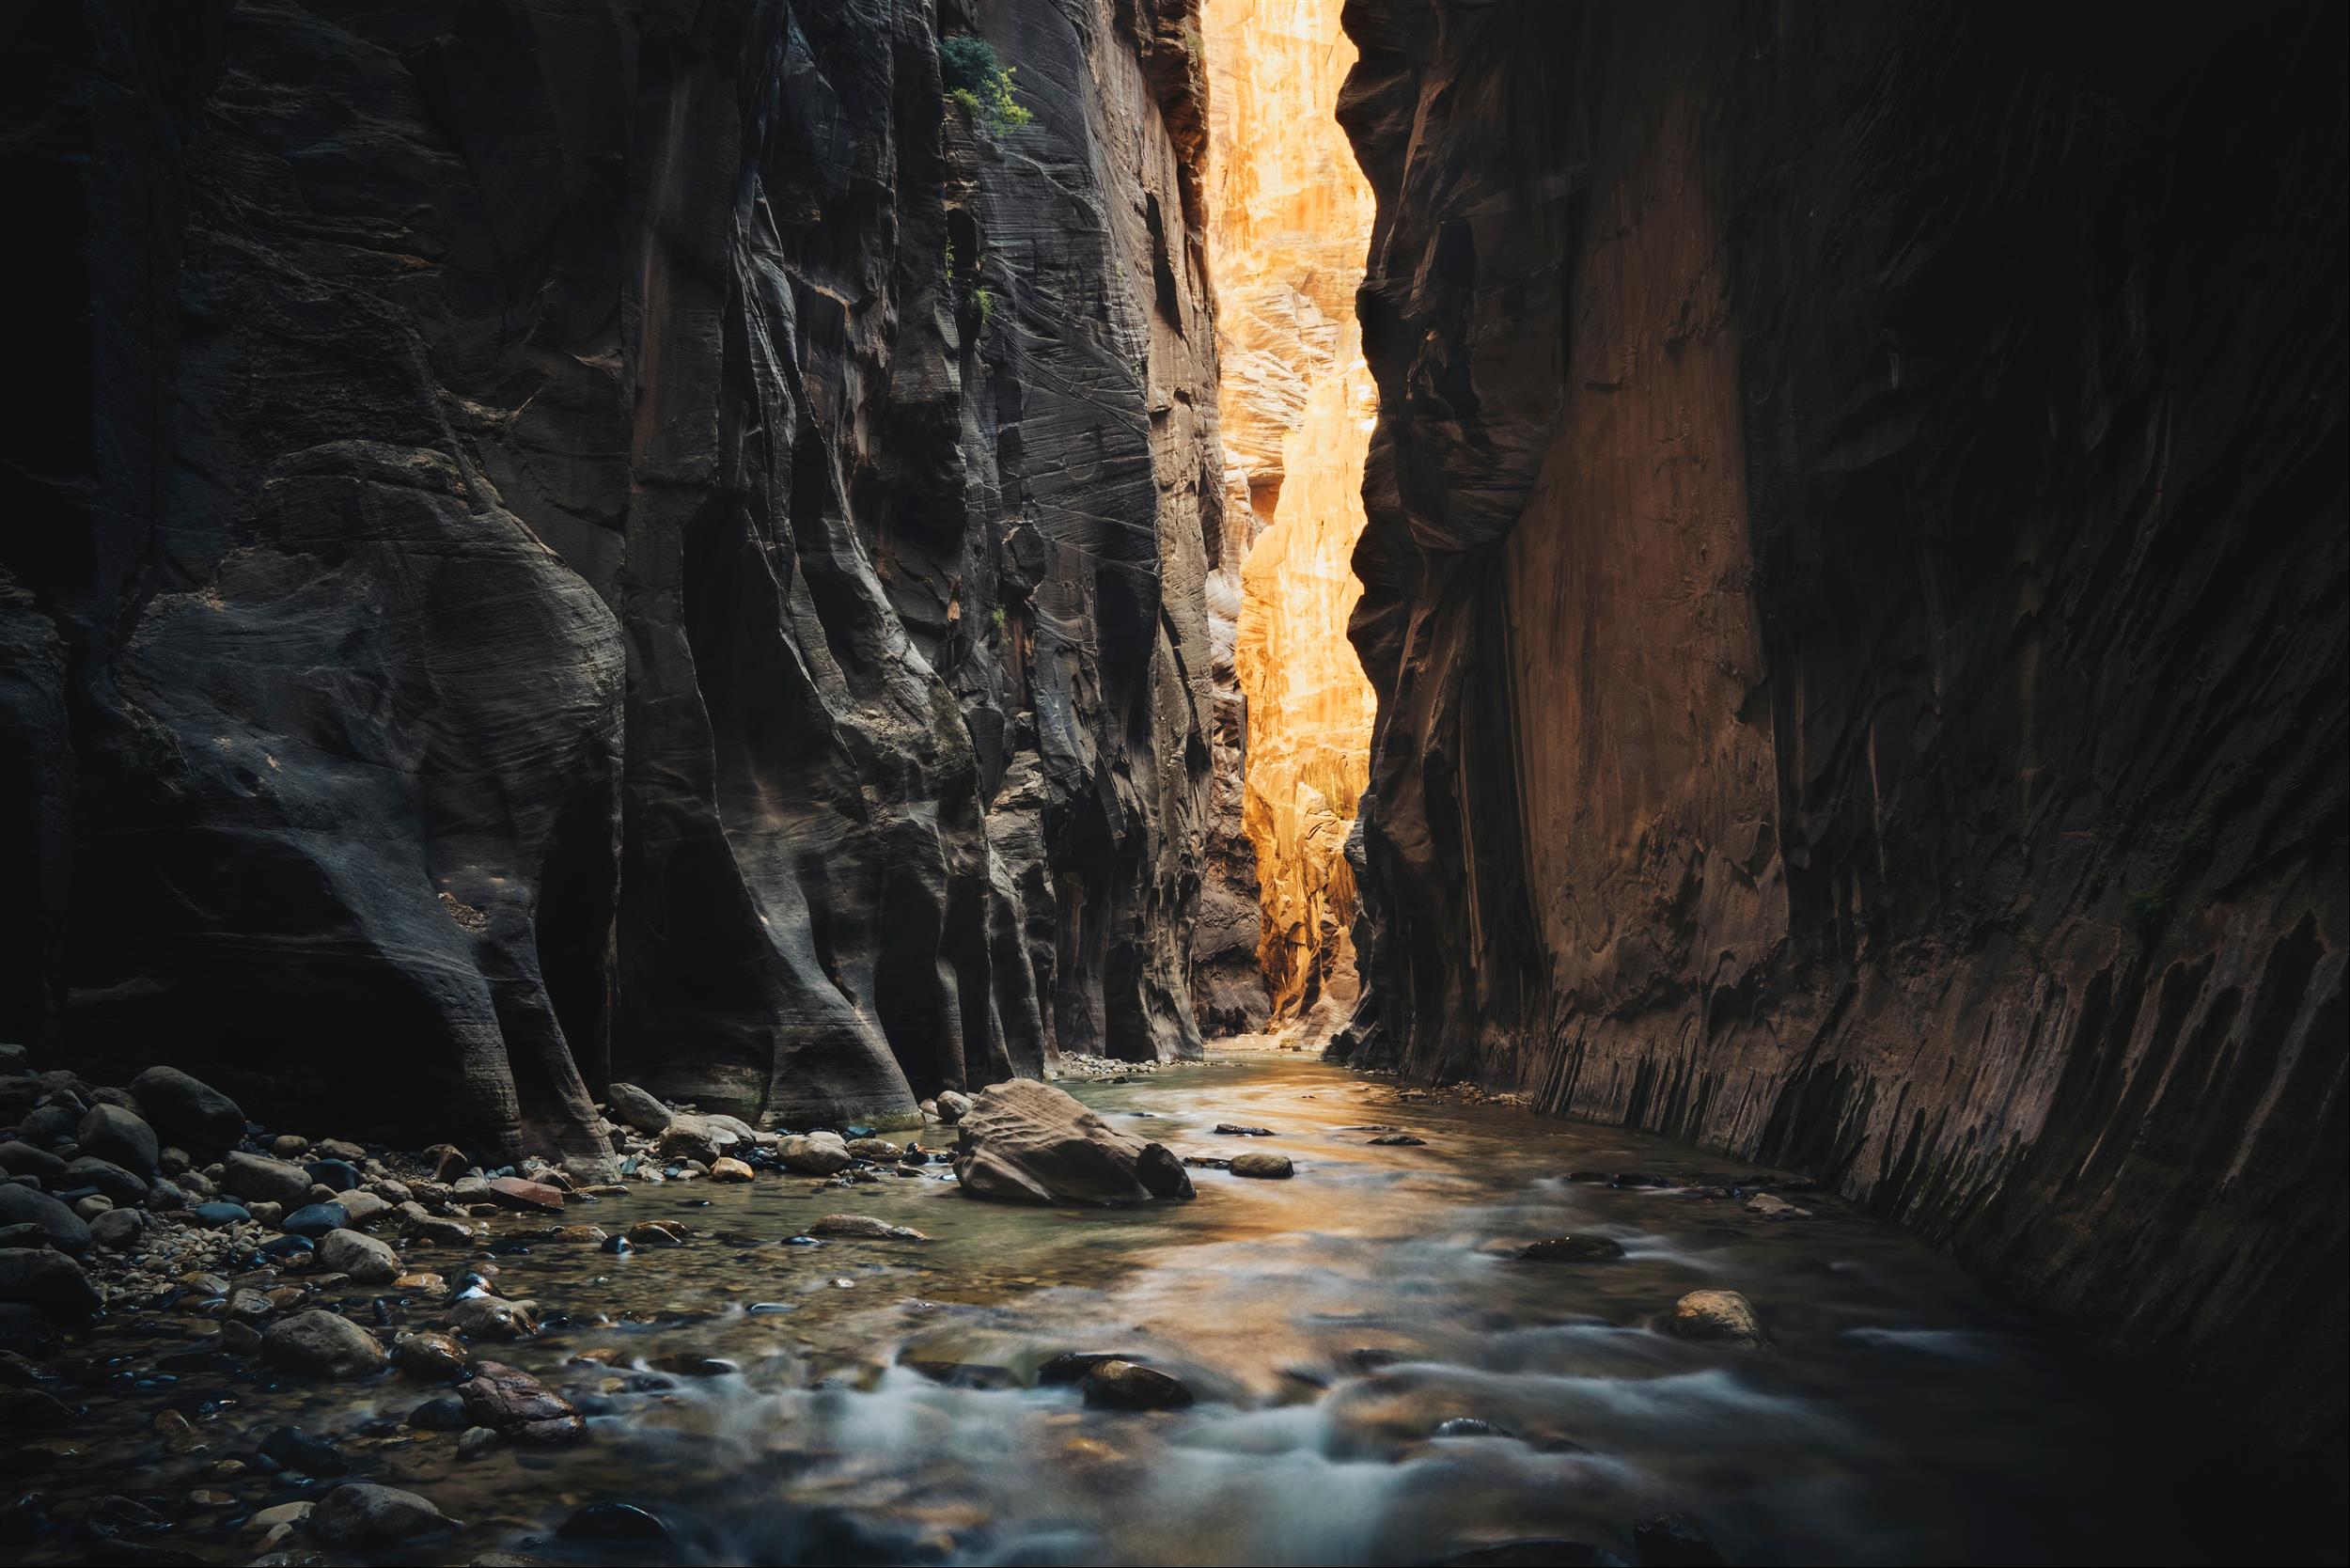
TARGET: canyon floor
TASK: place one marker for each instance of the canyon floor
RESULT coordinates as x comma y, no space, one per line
1376,1375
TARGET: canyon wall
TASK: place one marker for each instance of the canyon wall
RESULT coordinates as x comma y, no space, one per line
1856,588
562,542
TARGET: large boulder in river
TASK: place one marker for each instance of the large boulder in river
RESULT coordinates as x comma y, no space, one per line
187,1110
1028,1142
36,1277
1717,1317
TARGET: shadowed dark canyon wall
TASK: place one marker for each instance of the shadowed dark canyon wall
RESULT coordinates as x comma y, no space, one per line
559,542
1854,584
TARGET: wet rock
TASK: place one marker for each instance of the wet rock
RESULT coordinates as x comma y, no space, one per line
215,1216
1674,1540
338,1176
578,1233
65,1230
361,1516
476,1441
178,1432
187,1110
725,1170
117,1185
1771,1206
319,1343
513,1192
517,1405
290,1447
47,1279
953,1105
1634,1179
1234,1130
1571,1249
315,1220
1262,1167
638,1108
686,1140
655,1232
250,1306
289,1145
879,1149
688,1364
440,1415
446,1162
430,1357
115,1515
1397,1140
1470,1426
1071,1366
614,1524
1126,1386
486,1317
1717,1317
864,1227
256,1178
815,1154
110,1133
367,1260
1027,1141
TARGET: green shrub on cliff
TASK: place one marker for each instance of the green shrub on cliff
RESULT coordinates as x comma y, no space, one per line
980,83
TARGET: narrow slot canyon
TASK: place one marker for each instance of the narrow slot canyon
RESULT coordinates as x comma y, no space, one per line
1197,781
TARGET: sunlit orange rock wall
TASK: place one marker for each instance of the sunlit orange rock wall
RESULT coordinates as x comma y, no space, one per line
1291,217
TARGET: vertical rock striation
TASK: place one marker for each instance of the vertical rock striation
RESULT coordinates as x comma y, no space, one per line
571,543
1856,588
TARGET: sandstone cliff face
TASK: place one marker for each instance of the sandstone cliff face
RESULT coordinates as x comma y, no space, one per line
541,568
1291,215
1854,584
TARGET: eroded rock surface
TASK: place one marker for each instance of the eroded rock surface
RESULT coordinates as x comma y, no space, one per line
1854,582
627,542
1028,1142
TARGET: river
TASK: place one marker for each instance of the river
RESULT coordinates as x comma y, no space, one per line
781,1401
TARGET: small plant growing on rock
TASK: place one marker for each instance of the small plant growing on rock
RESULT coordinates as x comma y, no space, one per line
980,83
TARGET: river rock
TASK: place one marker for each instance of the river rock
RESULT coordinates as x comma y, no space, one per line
19,1158
488,1317
440,1415
362,1518
514,1191
292,1449
517,1405
446,1162
686,1140
110,1133
258,1178
614,1524
1262,1167
119,1230
953,1105
1717,1317
47,1279
336,1176
430,1357
320,1344
1027,1141
1772,1206
119,1184
187,1110
638,1108
864,1227
361,1207
67,1230
726,1170
214,1217
879,1149
1127,1385
1571,1249
368,1260
315,1220
815,1154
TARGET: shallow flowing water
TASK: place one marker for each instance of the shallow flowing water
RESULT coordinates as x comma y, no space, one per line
876,1401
